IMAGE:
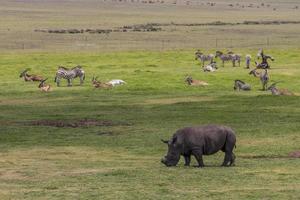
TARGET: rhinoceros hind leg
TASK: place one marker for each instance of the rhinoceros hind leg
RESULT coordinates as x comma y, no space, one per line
228,159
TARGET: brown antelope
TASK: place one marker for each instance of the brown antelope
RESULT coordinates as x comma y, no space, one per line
98,84
192,82
28,77
44,87
282,91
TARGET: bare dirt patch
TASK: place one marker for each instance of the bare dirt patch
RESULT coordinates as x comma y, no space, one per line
78,123
166,101
294,154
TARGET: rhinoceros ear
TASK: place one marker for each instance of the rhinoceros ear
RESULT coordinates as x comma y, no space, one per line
165,141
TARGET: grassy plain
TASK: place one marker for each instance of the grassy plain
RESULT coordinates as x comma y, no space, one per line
122,161
19,19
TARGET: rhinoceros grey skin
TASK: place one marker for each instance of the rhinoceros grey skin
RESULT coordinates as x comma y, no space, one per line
198,141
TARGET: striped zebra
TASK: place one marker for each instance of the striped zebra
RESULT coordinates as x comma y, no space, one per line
264,63
69,74
224,57
264,79
248,61
235,58
202,58
230,56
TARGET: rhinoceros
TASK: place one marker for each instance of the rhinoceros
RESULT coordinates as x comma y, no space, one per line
198,141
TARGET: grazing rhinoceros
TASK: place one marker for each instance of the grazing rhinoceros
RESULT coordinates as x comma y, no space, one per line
198,141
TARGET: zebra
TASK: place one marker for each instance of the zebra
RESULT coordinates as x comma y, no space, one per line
248,61
69,74
236,58
202,58
225,57
264,79
241,85
264,63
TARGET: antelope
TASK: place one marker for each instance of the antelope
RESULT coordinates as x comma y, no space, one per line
44,87
254,73
98,84
192,82
276,91
31,77
263,76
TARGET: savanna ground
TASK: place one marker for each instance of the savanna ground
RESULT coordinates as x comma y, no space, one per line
121,159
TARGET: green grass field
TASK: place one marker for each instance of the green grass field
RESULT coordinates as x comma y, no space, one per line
122,161
121,158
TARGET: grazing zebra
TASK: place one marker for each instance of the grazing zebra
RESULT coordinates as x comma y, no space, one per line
264,79
248,61
241,85
228,57
202,58
69,74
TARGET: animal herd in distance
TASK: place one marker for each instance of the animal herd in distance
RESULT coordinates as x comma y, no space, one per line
70,74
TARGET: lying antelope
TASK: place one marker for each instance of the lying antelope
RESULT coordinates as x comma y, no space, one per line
98,84
276,91
44,87
192,82
31,77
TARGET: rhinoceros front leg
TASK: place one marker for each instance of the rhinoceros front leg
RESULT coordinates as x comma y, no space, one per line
198,155
187,159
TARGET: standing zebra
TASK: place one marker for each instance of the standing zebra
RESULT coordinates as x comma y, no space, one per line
202,58
264,78
223,57
264,63
248,61
69,74
236,58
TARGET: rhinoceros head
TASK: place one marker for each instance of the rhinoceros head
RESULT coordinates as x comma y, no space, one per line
173,155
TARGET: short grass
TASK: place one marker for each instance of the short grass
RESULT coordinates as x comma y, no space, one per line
83,163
